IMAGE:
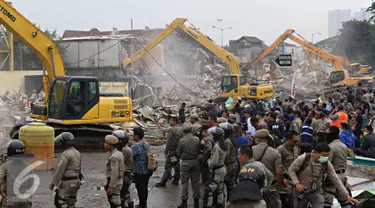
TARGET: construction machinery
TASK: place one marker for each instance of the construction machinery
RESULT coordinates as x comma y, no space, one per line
72,103
341,77
233,84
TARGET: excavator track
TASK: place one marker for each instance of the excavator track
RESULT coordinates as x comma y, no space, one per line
89,138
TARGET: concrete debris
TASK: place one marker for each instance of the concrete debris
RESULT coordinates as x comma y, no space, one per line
308,82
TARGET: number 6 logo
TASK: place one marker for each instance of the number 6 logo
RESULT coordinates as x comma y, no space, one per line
23,177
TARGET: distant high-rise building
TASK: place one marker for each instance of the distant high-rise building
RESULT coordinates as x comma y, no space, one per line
335,20
362,14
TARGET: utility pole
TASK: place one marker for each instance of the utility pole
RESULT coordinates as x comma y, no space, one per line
312,37
131,54
222,31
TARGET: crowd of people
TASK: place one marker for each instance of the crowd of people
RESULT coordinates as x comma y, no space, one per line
279,154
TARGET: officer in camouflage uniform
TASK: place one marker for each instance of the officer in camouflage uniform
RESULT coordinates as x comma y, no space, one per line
217,168
173,137
68,173
9,171
188,151
230,160
114,171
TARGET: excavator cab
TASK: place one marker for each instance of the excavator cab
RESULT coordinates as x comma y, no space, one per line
230,85
73,97
337,76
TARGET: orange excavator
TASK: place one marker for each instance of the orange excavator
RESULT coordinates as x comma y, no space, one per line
341,77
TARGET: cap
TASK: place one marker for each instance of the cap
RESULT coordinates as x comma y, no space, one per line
195,116
110,139
216,131
187,127
261,133
226,126
221,120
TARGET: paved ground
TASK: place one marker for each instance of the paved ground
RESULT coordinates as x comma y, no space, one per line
92,193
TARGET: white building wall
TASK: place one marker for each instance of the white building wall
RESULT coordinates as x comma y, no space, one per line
85,53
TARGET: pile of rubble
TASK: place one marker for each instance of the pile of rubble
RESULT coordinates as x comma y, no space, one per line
307,82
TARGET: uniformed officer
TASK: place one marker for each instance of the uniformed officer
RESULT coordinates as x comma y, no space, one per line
114,172
123,138
217,168
208,144
307,173
68,174
338,158
230,160
196,125
9,171
289,151
188,150
271,158
253,177
173,137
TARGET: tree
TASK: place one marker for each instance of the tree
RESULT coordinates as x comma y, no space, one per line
357,42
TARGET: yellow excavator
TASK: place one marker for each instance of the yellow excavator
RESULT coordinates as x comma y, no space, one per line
338,78
72,103
233,84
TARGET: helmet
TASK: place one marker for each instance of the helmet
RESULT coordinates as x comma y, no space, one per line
122,137
226,126
216,132
64,137
120,134
15,147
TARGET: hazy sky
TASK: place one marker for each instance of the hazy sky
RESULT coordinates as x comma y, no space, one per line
266,19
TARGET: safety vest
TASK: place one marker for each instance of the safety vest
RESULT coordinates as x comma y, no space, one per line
343,118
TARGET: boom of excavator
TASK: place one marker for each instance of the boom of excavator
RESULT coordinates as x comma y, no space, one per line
73,103
233,84
339,78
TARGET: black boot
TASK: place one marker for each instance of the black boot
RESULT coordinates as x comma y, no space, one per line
196,203
183,204
131,204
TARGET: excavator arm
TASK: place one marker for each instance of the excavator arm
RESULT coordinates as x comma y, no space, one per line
275,44
165,33
318,52
193,32
34,38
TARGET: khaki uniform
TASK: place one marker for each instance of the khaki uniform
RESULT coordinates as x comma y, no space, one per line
296,125
195,128
67,175
188,151
338,158
272,160
13,168
127,181
231,165
288,155
310,175
115,173
174,135
218,170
